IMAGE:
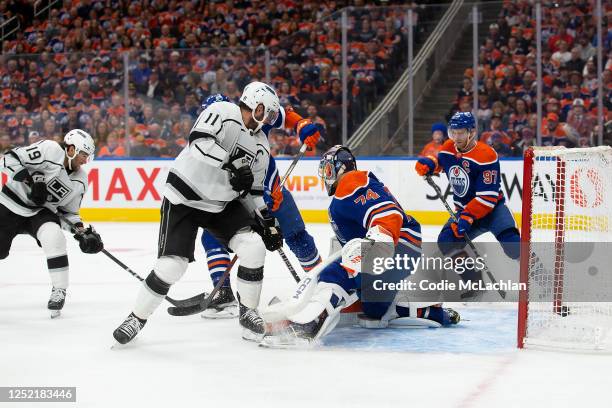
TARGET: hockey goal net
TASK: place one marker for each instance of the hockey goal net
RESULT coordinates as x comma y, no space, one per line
566,223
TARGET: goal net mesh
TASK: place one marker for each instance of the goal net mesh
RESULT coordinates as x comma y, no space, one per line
568,224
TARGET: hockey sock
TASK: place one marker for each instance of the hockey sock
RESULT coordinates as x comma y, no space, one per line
53,244
302,245
218,262
152,293
58,271
249,286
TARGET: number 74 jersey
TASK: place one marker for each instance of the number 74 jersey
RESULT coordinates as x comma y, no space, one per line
473,176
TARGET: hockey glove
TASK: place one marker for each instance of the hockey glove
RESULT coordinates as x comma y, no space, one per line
426,165
241,175
269,231
90,241
273,199
464,225
38,190
308,132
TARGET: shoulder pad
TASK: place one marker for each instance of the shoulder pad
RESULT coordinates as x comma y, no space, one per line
350,183
212,118
52,151
482,153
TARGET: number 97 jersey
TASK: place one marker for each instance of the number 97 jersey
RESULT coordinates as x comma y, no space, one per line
473,176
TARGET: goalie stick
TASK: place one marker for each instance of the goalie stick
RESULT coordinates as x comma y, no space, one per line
182,302
203,301
433,184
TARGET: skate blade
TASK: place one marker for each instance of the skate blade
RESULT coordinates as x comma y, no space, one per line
281,342
118,346
249,335
55,313
230,312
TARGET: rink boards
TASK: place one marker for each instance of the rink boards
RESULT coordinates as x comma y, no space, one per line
131,190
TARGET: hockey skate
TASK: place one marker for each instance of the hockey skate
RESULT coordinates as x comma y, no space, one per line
223,305
291,335
128,329
453,315
253,326
56,301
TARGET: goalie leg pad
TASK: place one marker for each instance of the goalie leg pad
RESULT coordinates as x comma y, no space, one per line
329,298
53,243
250,249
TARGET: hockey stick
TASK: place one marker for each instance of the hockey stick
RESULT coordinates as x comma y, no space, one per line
502,293
175,302
205,302
288,264
296,159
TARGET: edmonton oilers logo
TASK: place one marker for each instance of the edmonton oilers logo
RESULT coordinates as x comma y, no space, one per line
459,180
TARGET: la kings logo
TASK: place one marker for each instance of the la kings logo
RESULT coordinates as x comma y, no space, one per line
57,190
241,152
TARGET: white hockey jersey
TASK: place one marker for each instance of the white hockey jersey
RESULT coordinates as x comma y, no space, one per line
197,178
43,159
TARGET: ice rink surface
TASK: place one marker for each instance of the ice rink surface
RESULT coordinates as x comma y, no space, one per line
189,361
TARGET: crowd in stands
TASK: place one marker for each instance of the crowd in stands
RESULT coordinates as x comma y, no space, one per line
507,85
65,68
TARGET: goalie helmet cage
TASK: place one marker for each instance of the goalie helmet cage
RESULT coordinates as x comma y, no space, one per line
567,197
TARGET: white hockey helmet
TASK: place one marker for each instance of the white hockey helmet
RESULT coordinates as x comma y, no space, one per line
82,142
258,93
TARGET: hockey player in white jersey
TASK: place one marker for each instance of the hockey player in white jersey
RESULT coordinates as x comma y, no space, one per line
45,179
211,183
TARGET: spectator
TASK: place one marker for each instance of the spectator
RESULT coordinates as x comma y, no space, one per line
139,147
499,143
438,136
496,129
5,144
520,117
556,133
562,56
580,121
525,141
314,117
112,147
153,88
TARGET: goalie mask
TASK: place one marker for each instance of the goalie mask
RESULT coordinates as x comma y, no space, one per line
82,142
335,161
258,93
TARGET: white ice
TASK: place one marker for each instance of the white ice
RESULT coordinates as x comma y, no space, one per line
189,361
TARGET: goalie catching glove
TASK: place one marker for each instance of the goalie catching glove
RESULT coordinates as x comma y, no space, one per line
90,241
269,231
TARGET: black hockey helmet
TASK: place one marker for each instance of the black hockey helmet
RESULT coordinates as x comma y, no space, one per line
334,162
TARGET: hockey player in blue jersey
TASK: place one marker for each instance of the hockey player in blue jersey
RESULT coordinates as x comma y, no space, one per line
281,205
472,168
362,212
